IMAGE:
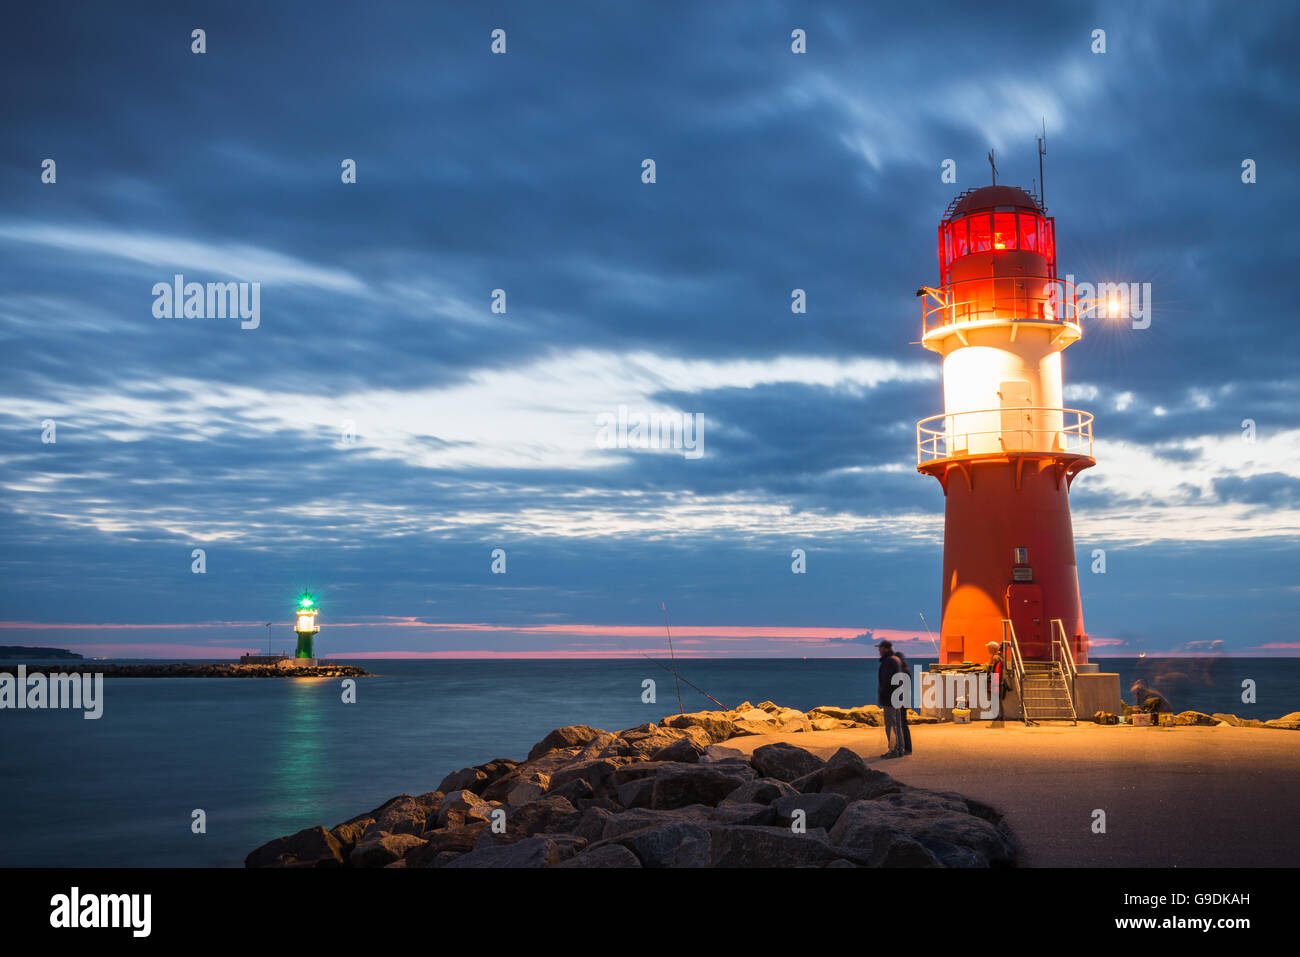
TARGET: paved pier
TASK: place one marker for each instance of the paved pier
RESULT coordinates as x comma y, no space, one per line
1173,797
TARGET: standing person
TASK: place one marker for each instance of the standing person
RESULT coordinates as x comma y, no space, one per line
997,676
905,732
890,665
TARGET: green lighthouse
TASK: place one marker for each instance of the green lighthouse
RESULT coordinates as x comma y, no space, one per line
306,627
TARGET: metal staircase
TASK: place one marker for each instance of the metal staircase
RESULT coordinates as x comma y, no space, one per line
1045,696
1046,687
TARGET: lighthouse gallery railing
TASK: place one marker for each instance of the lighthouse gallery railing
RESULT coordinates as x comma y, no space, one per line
1037,298
993,431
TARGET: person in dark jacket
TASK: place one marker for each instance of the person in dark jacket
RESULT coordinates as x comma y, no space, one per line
895,718
1148,699
905,732
997,677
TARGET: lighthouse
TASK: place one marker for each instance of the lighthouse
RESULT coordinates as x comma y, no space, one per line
1005,449
306,628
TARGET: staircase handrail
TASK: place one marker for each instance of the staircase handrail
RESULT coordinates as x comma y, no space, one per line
1017,662
1067,658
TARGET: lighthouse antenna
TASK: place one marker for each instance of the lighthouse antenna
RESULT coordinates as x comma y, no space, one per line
994,168
1042,151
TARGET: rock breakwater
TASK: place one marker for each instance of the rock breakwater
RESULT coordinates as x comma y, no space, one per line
666,795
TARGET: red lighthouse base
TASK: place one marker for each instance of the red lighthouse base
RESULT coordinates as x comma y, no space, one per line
995,505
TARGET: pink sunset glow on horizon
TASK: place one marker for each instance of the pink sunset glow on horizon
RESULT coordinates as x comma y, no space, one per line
229,639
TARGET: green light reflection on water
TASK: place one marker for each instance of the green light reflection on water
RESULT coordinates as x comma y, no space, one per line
299,770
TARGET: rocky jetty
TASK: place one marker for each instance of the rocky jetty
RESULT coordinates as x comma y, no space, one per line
666,795
183,670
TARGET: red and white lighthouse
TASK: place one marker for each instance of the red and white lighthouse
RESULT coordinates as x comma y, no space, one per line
1005,448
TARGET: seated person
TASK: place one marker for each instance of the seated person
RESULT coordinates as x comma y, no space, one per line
1148,699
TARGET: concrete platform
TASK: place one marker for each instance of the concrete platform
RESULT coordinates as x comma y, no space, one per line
1173,797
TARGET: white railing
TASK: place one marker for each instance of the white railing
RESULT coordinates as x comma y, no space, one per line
1035,298
993,431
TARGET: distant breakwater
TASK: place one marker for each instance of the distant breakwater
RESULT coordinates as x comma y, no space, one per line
184,670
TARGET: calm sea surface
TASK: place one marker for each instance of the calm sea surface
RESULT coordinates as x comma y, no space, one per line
266,757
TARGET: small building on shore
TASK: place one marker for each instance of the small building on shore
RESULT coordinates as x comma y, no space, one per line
277,661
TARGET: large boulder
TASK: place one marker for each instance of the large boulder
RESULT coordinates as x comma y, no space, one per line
478,777
551,813
1288,722
592,823
461,807
819,810
760,791
823,723
525,792
381,849
530,852
716,753
740,729
642,744
1194,718
670,844
899,850
607,855
349,834
574,791
716,724
636,793
634,819
785,762
751,813
870,714
844,714
695,784
847,774
450,840
685,749
869,826
574,735
742,846
649,769
594,771
406,815
539,771
311,847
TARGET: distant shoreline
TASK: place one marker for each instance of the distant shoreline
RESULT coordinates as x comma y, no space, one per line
181,670
24,652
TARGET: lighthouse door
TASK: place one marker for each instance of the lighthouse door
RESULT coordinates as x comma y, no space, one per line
1016,398
1025,609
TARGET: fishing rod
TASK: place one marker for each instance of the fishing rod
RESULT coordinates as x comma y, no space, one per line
676,680
696,687
927,631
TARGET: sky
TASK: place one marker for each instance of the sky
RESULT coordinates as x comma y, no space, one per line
383,429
